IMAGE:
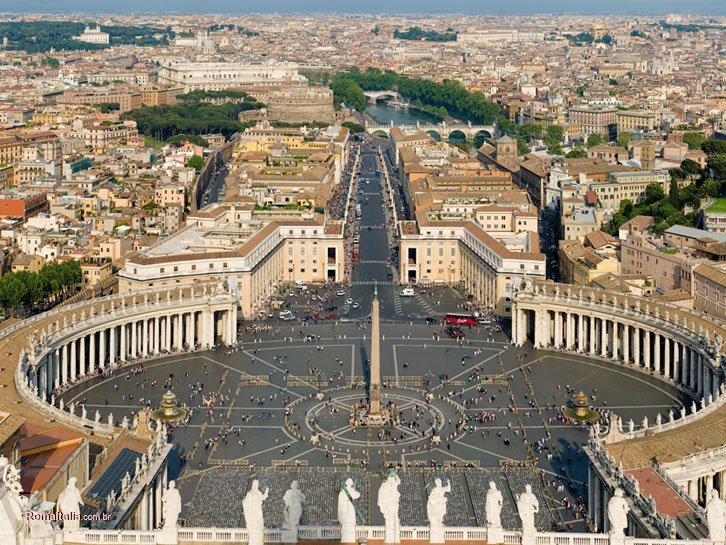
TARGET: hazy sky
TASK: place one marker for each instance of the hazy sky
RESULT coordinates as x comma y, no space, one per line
714,7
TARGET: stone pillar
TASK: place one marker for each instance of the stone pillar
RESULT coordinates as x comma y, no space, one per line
701,371
693,383
41,373
233,325
709,485
124,339
667,357
56,368
112,345
178,325
92,351
591,341
134,338
558,329
715,383
636,345
693,490
156,334
580,332
538,332
616,348
647,362
64,364
626,343
603,337
167,332
190,330
676,362
73,359
83,363
657,359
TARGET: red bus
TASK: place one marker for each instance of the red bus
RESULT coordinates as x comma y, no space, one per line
461,319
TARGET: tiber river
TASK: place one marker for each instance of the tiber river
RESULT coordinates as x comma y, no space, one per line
383,114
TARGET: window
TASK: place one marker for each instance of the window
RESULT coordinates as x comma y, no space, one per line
302,250
428,252
161,270
176,269
289,250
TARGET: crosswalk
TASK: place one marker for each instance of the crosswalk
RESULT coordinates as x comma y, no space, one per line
397,303
424,304
372,282
374,261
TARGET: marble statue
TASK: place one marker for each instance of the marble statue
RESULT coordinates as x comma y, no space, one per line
683,413
97,417
631,426
346,511
670,415
171,506
436,504
645,423
70,502
528,506
494,506
110,420
618,514
716,517
252,507
388,499
84,412
292,512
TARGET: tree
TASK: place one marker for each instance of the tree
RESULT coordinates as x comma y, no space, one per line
522,147
717,163
195,162
354,128
594,140
624,138
691,167
626,207
713,147
653,193
50,62
694,139
555,133
577,153
673,194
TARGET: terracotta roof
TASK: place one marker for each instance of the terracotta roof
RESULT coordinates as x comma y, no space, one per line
667,500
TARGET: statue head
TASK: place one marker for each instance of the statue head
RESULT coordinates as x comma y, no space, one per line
72,482
528,489
714,494
255,485
349,483
438,483
172,485
492,485
618,492
294,485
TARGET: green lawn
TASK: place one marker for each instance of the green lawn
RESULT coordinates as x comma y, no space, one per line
719,205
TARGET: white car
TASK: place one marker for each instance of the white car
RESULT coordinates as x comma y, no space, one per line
356,305
340,293
349,300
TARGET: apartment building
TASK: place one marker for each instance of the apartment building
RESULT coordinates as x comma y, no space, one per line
642,254
627,185
709,289
592,119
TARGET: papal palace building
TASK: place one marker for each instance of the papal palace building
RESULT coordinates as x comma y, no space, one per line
259,255
216,76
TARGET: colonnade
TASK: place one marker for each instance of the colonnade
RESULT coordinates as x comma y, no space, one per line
598,333
98,343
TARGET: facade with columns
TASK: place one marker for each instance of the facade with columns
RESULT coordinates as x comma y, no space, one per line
671,343
82,340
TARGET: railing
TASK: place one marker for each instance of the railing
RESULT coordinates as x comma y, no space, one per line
312,533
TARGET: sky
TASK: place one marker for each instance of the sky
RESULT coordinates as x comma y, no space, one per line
519,7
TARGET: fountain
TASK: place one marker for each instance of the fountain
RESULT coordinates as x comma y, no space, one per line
580,411
169,409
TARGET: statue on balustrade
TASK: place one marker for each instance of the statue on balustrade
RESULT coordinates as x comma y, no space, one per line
494,506
716,517
171,501
252,507
528,507
70,502
618,514
346,511
388,499
293,498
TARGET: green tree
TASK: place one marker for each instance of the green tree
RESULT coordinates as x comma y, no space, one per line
555,133
694,139
691,167
626,207
50,62
594,140
577,153
717,163
714,147
195,162
673,194
354,128
653,193
624,138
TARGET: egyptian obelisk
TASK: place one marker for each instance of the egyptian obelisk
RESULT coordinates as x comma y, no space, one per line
375,385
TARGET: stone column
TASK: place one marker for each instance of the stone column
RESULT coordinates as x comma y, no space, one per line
626,343
56,368
694,370
580,332
558,329
73,359
92,352
676,362
636,345
701,372
616,348
112,345
591,341
156,334
233,325
83,363
178,324
537,314
647,361
64,364
167,332
124,342
667,357
134,338
205,328
603,337
189,318
41,373
692,490
657,360
709,485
